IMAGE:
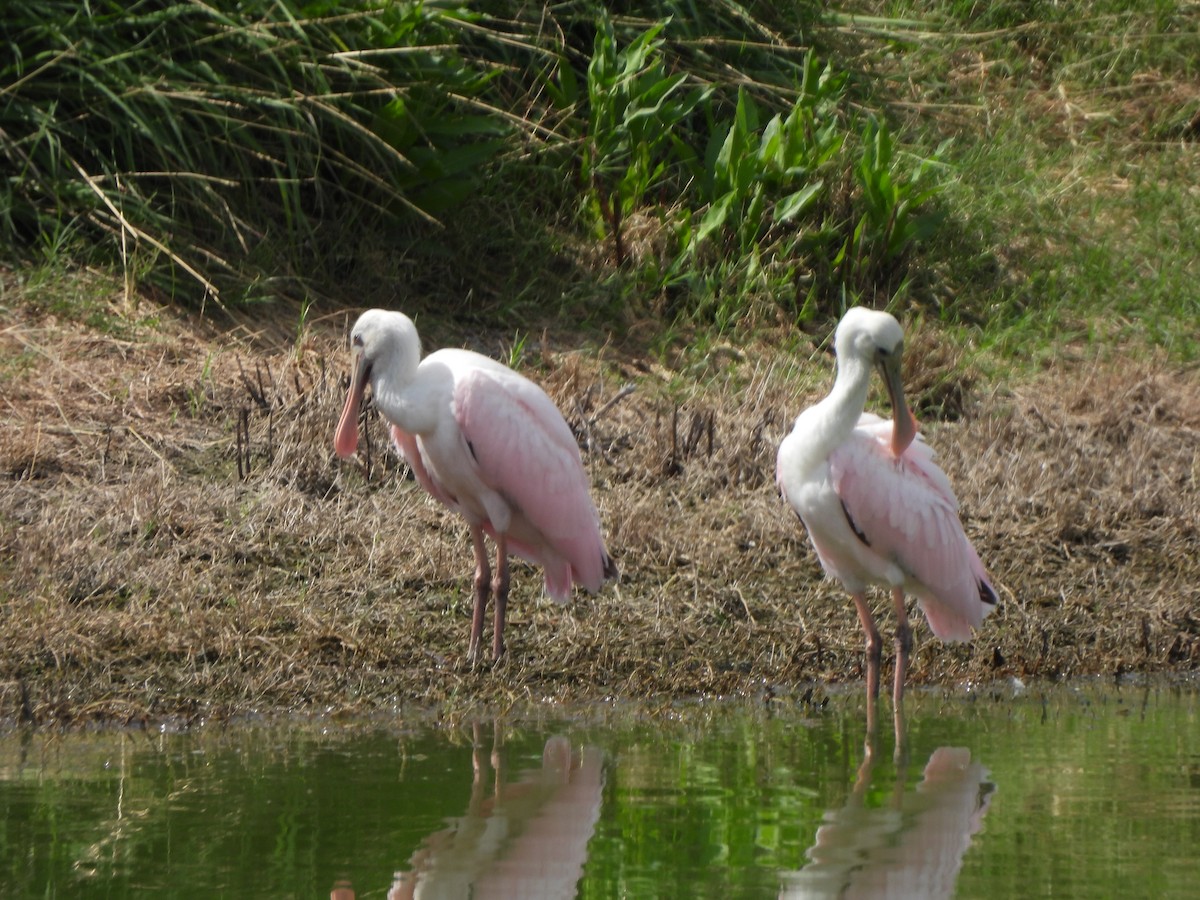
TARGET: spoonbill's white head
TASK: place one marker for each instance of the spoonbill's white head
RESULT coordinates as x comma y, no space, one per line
875,338
384,347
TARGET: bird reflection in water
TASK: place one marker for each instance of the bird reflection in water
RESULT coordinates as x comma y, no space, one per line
912,846
527,838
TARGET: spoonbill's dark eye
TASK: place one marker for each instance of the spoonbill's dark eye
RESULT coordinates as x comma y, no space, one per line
357,340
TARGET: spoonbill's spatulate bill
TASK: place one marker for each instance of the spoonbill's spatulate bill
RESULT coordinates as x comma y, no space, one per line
489,444
876,506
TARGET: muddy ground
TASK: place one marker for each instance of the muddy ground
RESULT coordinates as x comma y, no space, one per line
177,538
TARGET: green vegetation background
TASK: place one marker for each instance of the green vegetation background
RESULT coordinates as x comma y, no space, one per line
1027,167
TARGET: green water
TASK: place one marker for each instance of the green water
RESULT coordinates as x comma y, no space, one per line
1082,791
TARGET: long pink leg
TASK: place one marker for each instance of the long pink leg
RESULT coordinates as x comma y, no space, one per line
903,645
874,650
482,584
500,590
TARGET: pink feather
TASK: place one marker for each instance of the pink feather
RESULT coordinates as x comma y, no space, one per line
489,444
520,448
528,455
907,511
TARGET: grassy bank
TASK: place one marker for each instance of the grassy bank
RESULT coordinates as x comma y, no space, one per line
180,540
1015,181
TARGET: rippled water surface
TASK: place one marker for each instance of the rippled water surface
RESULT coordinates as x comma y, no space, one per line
1050,792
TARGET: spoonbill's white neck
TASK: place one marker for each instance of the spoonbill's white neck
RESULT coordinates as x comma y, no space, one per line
393,371
386,353
848,397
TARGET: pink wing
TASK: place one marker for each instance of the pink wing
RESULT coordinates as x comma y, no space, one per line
527,454
907,512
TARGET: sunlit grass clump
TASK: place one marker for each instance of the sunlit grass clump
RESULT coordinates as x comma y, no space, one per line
226,151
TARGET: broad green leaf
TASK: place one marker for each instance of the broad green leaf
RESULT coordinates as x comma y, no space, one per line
715,217
771,143
794,204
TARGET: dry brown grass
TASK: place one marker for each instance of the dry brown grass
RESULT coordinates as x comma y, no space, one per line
178,539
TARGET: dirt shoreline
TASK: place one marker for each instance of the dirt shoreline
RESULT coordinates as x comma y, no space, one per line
178,540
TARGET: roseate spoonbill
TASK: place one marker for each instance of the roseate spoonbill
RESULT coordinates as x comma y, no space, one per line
489,444
877,508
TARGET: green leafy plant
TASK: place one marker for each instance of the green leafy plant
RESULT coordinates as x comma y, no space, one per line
634,108
895,193
516,350
756,179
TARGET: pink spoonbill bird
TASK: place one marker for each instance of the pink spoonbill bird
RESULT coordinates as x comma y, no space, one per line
489,444
876,506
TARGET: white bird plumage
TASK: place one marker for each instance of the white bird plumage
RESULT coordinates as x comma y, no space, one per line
488,443
877,508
